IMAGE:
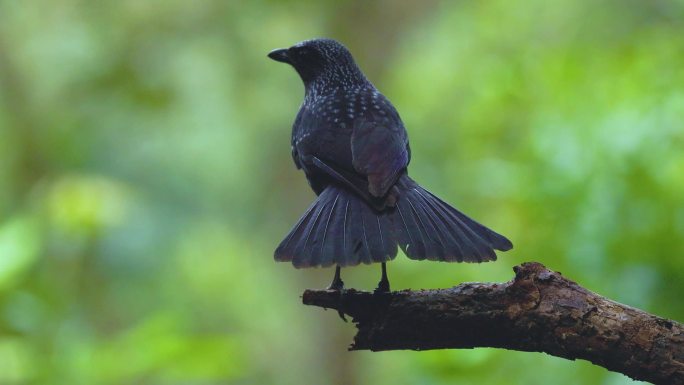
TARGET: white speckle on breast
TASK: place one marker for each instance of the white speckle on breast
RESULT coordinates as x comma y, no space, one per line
304,136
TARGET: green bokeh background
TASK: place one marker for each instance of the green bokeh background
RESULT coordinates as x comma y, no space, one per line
146,178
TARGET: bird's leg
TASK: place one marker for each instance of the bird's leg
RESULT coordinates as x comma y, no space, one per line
336,283
383,285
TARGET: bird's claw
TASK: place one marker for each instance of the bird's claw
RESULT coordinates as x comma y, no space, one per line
336,285
383,288
341,314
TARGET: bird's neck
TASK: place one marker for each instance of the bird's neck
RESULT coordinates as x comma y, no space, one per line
332,81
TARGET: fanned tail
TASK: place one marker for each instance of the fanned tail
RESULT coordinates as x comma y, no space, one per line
432,229
341,228
338,228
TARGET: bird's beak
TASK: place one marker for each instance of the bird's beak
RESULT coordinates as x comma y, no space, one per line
280,55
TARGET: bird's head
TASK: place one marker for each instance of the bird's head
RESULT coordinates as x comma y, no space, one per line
320,60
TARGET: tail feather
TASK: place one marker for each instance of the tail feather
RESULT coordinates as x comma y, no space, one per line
427,218
421,221
286,249
477,245
381,246
348,255
452,239
341,228
304,252
333,226
473,245
387,225
360,252
409,234
497,241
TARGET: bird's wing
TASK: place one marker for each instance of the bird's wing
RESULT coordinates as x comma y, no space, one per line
379,151
295,154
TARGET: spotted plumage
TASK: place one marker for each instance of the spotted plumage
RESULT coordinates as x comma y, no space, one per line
353,148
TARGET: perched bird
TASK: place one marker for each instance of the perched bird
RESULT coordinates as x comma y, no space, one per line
353,148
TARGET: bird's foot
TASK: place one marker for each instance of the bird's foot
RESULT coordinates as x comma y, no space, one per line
383,287
336,285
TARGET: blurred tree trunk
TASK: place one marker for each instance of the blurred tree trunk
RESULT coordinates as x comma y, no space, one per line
537,311
23,129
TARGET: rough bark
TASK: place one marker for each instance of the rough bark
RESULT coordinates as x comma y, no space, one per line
537,311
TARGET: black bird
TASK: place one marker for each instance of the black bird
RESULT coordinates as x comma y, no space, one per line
354,150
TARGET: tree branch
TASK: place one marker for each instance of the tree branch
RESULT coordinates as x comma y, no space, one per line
538,311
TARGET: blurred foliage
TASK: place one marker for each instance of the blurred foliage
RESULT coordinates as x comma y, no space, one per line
145,178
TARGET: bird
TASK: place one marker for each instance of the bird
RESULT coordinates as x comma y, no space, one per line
353,148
